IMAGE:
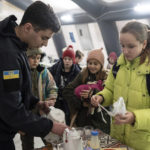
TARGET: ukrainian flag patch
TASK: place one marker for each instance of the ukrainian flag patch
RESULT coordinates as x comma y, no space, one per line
12,74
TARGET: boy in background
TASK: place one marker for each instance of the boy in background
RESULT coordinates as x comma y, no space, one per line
43,87
64,71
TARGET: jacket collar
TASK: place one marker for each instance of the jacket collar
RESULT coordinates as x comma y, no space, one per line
40,68
141,69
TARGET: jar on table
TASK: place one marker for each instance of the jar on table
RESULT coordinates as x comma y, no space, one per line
94,142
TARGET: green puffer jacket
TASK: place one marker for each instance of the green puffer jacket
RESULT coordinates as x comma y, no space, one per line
130,83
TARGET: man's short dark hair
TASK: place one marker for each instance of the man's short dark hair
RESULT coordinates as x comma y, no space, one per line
41,16
79,54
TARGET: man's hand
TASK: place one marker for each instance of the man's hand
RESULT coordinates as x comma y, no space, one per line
21,132
50,102
128,118
96,100
58,128
43,107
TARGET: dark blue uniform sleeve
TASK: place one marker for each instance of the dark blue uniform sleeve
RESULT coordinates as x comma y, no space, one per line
16,99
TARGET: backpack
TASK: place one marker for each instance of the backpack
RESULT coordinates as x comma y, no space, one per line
115,69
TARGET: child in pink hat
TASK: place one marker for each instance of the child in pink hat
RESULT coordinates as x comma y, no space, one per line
112,58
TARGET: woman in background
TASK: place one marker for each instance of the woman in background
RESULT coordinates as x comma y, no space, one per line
112,59
78,58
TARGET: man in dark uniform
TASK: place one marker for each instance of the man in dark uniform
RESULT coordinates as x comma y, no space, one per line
36,28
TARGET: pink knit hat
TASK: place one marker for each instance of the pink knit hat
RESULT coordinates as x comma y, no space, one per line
69,52
96,54
113,56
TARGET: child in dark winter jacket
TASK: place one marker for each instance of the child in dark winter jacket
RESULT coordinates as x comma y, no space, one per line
78,92
64,71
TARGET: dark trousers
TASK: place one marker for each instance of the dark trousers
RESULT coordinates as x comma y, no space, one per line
28,142
62,104
8,145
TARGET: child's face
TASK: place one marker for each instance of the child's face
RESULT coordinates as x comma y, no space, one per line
34,61
68,62
93,66
36,39
78,60
111,60
131,47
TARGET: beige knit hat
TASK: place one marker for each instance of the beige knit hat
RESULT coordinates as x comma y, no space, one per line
36,51
96,54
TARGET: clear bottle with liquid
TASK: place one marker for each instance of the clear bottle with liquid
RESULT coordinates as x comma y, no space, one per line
94,143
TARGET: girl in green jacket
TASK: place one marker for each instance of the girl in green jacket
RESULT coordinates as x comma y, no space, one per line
80,105
133,128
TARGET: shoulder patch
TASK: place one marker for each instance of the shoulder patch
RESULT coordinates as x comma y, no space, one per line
11,74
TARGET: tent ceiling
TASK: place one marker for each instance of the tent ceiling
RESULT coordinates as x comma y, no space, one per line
89,10
105,14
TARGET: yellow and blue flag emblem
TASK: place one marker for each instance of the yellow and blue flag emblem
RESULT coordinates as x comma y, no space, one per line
12,74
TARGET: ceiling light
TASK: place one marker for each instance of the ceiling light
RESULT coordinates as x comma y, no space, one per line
111,1
142,8
61,5
66,18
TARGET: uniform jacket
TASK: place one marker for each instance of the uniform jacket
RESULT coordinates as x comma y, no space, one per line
76,105
130,83
15,87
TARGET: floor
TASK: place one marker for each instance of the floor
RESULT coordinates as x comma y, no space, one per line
37,142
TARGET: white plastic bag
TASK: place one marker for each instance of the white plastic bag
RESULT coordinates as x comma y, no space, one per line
56,115
119,107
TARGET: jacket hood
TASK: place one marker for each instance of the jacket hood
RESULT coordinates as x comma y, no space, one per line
7,26
7,30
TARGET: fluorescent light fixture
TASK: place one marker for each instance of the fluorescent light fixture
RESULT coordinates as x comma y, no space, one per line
142,8
66,18
61,5
112,1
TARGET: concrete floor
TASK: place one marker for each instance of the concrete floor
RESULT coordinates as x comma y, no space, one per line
37,142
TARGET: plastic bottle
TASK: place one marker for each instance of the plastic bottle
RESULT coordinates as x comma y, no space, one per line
94,143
